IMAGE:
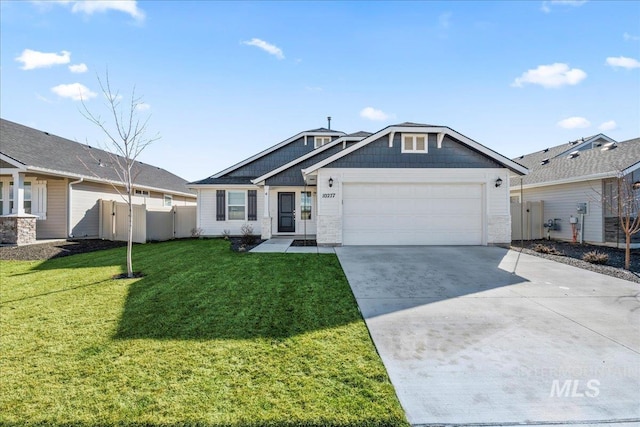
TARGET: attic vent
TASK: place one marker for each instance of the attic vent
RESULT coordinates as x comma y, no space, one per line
544,161
609,146
573,142
521,157
545,150
574,154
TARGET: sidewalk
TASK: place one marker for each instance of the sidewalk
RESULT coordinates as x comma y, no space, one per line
281,245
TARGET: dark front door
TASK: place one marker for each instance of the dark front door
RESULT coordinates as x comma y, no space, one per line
286,212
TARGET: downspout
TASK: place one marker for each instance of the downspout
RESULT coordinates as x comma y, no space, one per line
69,206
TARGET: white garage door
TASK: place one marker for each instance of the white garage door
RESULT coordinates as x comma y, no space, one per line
412,214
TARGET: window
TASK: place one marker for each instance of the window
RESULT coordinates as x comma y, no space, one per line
319,141
168,200
143,193
305,205
27,197
236,205
414,143
1,198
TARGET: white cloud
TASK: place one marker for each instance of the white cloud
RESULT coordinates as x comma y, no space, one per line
371,113
89,7
630,37
546,5
574,123
267,47
623,62
551,76
78,68
75,91
609,125
32,59
143,106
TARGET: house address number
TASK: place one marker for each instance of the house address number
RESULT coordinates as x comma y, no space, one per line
328,195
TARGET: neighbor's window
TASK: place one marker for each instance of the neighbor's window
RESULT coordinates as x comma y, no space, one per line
143,193
27,197
319,141
236,205
168,200
305,205
1,198
414,143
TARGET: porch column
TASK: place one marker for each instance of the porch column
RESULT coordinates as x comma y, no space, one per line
18,193
266,217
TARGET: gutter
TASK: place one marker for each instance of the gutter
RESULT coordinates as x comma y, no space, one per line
69,205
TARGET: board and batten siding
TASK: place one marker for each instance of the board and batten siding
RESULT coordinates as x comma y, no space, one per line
560,201
55,226
206,213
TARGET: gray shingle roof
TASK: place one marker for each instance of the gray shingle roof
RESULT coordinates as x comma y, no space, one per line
323,130
590,162
360,134
38,149
413,125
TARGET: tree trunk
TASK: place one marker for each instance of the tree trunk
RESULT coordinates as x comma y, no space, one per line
130,239
627,251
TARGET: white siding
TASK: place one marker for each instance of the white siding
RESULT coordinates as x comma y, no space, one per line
207,213
560,201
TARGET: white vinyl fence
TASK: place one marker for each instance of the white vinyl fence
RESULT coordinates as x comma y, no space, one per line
527,221
148,224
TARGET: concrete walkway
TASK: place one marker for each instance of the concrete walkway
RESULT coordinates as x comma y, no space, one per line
483,335
283,245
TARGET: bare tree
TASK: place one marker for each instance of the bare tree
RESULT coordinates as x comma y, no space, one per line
625,204
126,138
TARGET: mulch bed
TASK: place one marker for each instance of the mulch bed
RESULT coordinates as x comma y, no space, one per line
308,242
238,246
573,253
49,250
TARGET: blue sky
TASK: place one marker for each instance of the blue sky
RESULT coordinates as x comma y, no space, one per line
224,80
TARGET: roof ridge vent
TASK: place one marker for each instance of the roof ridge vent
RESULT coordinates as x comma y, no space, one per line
609,146
574,154
544,162
545,150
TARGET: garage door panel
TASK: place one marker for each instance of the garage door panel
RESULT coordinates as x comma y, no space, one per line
412,214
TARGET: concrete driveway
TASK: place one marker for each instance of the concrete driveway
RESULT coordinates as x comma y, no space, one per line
486,335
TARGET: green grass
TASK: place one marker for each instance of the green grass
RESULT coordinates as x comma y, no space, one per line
208,337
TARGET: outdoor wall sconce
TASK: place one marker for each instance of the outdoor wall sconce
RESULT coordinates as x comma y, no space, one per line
498,182
330,182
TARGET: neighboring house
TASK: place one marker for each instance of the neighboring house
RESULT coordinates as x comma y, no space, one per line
60,182
407,184
579,174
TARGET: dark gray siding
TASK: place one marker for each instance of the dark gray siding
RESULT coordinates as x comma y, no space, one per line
275,159
377,154
293,176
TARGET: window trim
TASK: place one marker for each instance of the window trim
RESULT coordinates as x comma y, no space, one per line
166,197
326,140
229,205
414,137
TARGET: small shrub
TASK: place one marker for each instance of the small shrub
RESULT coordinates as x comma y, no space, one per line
550,250
247,234
595,257
226,234
196,232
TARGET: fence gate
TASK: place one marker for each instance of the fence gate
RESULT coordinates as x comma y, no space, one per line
527,221
114,224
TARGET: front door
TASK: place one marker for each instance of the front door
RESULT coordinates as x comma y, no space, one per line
286,212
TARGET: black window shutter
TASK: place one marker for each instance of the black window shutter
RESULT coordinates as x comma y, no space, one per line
220,205
252,211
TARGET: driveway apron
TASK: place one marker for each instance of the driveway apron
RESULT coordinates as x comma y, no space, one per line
487,335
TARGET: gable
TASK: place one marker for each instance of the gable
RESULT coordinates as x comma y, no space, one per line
379,154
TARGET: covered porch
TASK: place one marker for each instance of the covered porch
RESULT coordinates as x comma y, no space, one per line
289,212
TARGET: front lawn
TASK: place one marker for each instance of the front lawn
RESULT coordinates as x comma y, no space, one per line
208,337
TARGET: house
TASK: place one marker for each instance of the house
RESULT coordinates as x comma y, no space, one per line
406,184
576,182
59,183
